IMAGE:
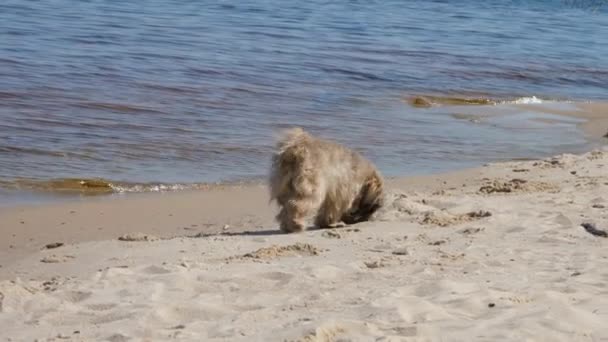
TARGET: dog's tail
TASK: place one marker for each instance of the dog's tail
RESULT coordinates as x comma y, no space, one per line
368,201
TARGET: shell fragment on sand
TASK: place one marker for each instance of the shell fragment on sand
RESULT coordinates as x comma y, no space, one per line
591,229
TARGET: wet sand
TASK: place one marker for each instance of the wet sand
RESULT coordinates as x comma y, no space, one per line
594,114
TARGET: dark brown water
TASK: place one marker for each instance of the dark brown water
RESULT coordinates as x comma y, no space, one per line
107,96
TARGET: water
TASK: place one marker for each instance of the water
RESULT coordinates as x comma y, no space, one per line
182,92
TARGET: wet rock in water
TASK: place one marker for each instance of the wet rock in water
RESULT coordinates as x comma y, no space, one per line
468,101
429,100
420,102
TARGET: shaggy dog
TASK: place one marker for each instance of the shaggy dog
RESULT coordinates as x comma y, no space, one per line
314,176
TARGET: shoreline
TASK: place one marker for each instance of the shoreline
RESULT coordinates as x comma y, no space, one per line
593,125
230,207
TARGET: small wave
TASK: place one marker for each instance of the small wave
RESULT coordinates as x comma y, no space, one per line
33,151
5,95
150,187
540,100
424,101
528,100
355,75
117,107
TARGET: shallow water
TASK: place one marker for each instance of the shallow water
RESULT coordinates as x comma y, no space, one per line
192,91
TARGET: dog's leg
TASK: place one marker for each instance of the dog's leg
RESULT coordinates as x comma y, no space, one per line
328,215
293,214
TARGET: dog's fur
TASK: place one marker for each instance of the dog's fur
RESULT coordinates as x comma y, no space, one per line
314,176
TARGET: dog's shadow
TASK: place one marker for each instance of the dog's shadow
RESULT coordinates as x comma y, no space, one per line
265,232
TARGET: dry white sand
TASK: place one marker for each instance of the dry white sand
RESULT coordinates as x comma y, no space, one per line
493,254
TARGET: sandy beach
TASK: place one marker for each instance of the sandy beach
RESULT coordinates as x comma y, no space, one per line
494,253
136,154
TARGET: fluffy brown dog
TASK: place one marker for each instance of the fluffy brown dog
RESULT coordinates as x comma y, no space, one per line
310,175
